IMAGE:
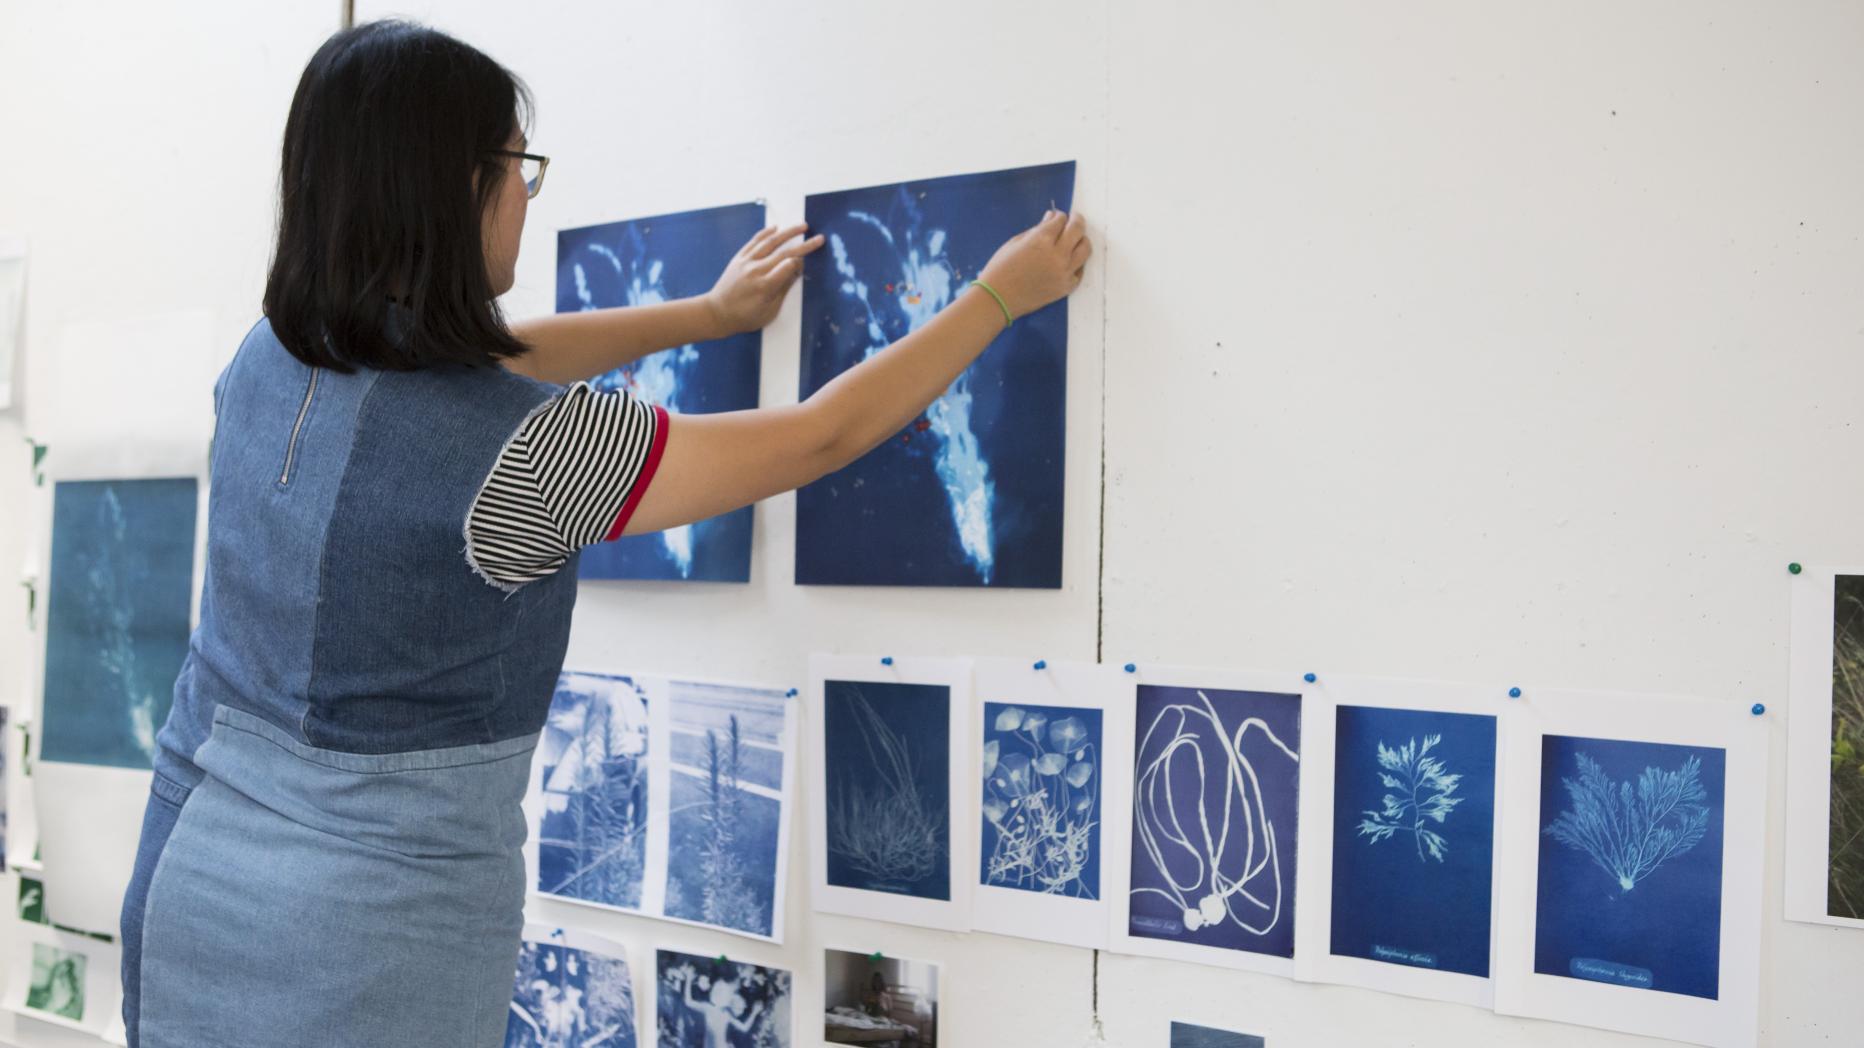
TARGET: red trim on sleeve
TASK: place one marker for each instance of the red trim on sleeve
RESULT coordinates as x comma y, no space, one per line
646,474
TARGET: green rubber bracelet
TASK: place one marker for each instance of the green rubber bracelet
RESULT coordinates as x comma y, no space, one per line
1008,318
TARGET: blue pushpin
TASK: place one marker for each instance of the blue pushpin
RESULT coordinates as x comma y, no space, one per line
1041,664
558,934
886,660
1514,693
1132,668
790,694
1309,677
1757,709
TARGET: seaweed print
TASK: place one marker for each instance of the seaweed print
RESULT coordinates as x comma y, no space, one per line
1234,867
887,831
1630,834
1421,795
1043,805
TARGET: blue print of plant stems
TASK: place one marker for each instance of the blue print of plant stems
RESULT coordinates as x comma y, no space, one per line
1629,835
725,898
1211,896
106,581
1044,805
888,830
608,815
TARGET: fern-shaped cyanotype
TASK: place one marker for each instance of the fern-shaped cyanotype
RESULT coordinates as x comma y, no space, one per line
1421,795
1630,833
726,896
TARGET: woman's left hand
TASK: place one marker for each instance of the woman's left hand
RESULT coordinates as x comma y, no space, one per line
750,291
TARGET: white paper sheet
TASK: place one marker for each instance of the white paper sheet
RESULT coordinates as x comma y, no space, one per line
133,397
90,822
1315,959
1027,839
959,863
12,309
1809,749
1731,1018
100,978
663,696
1257,909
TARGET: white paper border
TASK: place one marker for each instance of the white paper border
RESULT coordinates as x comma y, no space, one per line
1117,842
1315,961
1809,749
1728,1022
954,674
1080,685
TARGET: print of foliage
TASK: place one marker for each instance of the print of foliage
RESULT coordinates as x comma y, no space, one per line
726,897
1845,889
1043,805
1629,835
566,998
1422,795
886,830
607,822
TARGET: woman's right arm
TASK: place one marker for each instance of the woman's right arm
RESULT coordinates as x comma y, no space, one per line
713,464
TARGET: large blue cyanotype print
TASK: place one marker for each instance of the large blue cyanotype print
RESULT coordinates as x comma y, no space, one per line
969,494
887,766
592,844
641,262
711,1002
1041,799
726,801
568,998
1216,782
117,621
1413,837
1630,872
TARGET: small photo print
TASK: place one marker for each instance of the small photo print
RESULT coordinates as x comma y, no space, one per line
869,999
706,1002
568,998
57,986
1188,1035
1844,895
32,899
592,841
887,754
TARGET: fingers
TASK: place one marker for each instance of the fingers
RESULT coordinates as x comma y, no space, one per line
1074,232
1052,224
776,236
801,247
757,238
1083,248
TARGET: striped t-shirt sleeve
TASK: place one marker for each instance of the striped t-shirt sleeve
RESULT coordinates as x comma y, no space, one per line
572,475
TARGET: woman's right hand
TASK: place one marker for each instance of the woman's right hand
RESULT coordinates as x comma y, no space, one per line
1041,264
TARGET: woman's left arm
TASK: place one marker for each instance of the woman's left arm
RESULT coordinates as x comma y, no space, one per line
573,347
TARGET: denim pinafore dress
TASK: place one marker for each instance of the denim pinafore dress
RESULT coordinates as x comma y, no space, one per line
331,852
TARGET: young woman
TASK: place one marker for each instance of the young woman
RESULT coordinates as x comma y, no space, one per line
400,486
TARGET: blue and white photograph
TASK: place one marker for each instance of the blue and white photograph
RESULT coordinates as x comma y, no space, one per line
569,998
640,262
726,802
1189,1035
1629,887
969,493
117,621
1041,800
1413,837
1216,784
887,765
709,1002
592,841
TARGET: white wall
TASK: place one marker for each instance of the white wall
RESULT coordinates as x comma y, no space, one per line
1479,341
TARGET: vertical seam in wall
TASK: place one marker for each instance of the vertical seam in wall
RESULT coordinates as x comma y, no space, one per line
1100,570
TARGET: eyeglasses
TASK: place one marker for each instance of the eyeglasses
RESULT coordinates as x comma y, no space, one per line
531,167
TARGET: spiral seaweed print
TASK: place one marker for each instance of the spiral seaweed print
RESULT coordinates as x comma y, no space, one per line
1214,808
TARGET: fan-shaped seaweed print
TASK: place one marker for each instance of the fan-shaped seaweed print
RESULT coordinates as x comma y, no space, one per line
1630,870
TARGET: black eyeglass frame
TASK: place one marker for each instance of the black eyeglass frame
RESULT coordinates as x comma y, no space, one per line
536,185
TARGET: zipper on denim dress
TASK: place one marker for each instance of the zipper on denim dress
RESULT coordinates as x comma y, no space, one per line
291,448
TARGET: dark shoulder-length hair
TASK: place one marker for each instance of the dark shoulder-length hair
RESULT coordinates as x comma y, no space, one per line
376,200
